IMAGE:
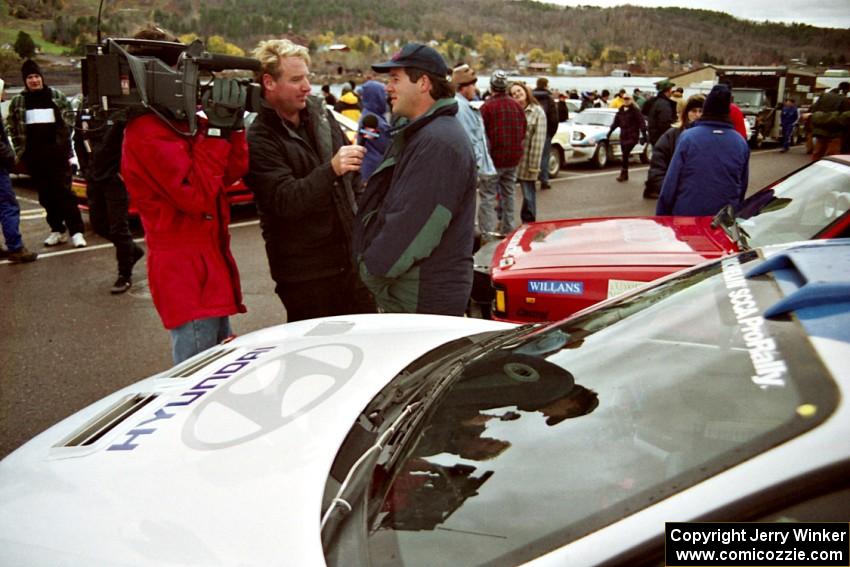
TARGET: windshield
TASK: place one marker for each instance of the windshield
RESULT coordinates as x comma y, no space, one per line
746,99
592,118
565,431
798,207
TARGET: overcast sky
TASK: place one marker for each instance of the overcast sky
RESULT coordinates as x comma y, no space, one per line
821,13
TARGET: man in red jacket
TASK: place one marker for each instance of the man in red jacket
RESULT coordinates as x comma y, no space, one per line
177,183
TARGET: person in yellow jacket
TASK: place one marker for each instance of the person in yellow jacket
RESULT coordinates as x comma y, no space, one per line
618,100
349,104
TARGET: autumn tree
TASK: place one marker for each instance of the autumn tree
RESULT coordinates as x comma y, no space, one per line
364,44
554,58
24,45
492,48
452,51
9,62
536,55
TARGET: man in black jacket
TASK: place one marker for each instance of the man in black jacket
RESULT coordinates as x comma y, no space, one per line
660,111
98,144
302,172
547,102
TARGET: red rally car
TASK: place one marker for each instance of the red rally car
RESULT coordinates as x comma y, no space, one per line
545,271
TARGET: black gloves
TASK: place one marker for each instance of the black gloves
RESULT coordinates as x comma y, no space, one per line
224,104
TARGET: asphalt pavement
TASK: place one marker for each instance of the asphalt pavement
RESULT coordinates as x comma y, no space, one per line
66,342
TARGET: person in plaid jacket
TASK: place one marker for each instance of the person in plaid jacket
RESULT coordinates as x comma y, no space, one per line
535,140
504,121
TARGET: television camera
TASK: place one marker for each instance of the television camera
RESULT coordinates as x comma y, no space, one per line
170,79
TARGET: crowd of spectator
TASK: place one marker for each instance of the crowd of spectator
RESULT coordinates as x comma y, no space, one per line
383,224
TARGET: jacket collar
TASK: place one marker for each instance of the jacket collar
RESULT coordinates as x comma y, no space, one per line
442,107
403,132
318,120
713,124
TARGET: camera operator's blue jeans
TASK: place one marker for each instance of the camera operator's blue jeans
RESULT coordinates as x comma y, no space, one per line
197,336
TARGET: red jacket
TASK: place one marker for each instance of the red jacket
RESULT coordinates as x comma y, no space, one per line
177,183
737,118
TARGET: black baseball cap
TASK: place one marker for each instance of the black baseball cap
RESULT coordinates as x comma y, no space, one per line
418,56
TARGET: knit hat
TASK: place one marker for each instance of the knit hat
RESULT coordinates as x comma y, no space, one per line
30,67
499,81
717,102
695,101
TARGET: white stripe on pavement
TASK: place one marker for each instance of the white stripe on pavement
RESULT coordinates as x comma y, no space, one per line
94,247
33,215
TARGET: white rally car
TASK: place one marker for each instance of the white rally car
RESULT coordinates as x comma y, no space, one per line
713,394
590,142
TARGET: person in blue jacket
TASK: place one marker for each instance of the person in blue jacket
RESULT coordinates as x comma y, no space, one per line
415,225
710,167
789,117
374,133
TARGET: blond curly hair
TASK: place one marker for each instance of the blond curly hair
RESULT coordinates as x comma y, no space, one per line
269,52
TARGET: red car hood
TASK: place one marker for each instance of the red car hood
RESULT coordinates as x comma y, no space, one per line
622,241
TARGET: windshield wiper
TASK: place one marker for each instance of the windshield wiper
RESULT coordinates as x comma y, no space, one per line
726,219
369,456
428,386
408,386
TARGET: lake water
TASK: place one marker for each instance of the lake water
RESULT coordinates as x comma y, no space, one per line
561,83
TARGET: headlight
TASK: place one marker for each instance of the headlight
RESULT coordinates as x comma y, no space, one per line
578,136
506,261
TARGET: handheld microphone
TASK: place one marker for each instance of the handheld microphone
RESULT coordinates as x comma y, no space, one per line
369,128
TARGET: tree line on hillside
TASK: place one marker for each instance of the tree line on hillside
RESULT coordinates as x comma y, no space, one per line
653,38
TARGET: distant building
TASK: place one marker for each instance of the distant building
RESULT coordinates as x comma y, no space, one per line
701,76
571,70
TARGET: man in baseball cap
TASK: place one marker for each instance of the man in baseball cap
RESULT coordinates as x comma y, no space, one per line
661,110
415,224
418,56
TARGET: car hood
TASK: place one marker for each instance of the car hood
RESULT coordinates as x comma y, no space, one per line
226,461
622,241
